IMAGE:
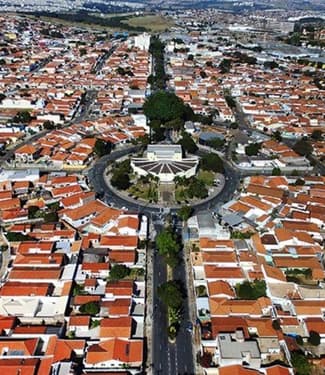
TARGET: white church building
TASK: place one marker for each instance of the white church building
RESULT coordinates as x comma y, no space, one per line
165,162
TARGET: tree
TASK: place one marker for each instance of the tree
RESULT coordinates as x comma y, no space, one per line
303,148
188,143
119,271
185,212
170,294
102,148
203,74
120,180
197,189
32,212
90,308
299,182
314,338
276,171
2,96
212,162
300,364
230,101
299,340
176,124
166,106
317,135
78,289
294,39
22,117
276,324
277,136
216,143
168,247
17,237
82,52
252,149
49,125
270,64
225,66
251,290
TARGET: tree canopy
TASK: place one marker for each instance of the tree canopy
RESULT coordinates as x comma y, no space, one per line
314,338
212,162
185,212
225,66
22,117
303,147
102,148
90,308
165,106
252,149
168,247
171,295
188,143
317,135
300,364
120,177
49,125
119,271
251,290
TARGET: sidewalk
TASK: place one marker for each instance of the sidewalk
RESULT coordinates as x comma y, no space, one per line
196,340
149,305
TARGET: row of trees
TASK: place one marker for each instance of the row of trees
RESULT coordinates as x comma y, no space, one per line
158,80
172,297
168,247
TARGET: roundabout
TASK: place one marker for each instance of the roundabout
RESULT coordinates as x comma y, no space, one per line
101,183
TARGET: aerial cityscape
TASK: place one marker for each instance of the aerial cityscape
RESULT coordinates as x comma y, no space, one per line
162,187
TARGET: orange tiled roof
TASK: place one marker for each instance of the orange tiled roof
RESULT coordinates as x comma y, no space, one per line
126,351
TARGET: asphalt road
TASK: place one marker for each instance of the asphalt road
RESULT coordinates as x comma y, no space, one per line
167,358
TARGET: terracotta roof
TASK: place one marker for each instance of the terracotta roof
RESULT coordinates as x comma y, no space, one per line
315,324
25,366
79,320
228,325
27,347
105,216
26,149
120,288
16,288
220,306
116,327
274,273
263,190
29,273
126,351
119,241
220,287
122,256
277,370
215,272
237,370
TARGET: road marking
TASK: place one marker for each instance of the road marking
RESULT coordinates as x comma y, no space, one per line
169,362
176,363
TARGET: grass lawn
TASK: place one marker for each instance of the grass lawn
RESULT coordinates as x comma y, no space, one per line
151,22
207,177
145,191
